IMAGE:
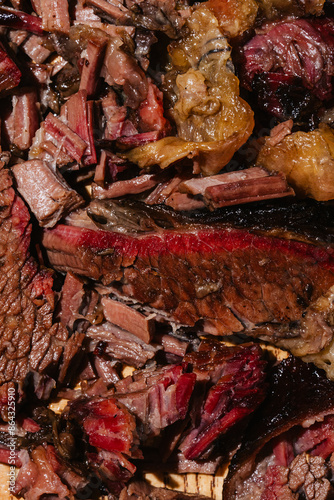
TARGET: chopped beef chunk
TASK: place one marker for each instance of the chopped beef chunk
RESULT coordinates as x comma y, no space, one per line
120,344
30,340
287,57
46,192
23,120
297,417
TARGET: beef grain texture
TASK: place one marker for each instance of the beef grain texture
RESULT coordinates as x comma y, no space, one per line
29,340
263,281
299,395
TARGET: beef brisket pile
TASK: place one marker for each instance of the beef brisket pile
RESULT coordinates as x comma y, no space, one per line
160,227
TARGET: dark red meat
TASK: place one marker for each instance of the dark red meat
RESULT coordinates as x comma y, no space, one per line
295,419
288,62
10,75
219,277
19,20
235,387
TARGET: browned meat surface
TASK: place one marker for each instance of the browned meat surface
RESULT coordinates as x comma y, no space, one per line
120,344
222,278
29,340
289,64
235,188
128,318
20,20
23,120
288,447
48,195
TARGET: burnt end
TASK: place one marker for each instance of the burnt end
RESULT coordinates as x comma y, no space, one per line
289,66
220,278
30,342
296,418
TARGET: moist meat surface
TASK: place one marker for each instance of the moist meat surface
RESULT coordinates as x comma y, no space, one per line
30,342
232,280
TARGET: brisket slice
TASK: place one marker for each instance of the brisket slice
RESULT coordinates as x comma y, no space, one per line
296,418
29,340
261,271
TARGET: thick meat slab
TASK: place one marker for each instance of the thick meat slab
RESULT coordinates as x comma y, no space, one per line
29,340
250,270
288,448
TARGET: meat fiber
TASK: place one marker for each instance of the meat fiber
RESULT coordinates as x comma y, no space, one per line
288,448
261,271
10,75
46,192
289,64
30,342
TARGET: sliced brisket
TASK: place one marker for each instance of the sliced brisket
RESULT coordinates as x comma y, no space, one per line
29,339
261,271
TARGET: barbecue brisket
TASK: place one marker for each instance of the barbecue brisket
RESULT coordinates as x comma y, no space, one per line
260,271
29,340
296,419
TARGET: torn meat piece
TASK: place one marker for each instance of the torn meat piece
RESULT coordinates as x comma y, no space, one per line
299,411
37,477
79,117
129,319
55,16
244,186
120,344
121,68
72,295
233,378
19,20
171,344
117,189
163,190
114,115
151,111
23,120
35,49
238,270
92,65
46,192
31,342
157,398
65,137
287,57
135,140
10,75
111,430
113,11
